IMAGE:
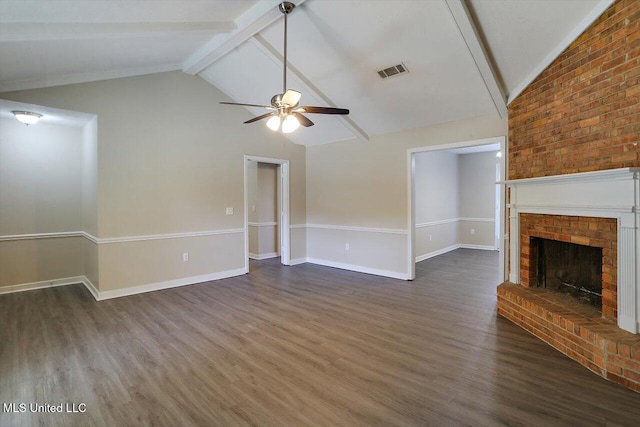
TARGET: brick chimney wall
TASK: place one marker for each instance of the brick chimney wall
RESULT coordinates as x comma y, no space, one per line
583,112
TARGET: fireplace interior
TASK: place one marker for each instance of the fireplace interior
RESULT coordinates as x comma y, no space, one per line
569,268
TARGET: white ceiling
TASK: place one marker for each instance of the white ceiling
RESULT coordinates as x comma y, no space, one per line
335,49
520,34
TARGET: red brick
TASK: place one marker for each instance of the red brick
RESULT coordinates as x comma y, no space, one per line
545,314
586,96
624,350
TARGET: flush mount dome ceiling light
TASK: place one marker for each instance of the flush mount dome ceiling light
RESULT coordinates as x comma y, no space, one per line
27,117
286,112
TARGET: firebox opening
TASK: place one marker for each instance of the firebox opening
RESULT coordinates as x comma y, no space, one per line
569,268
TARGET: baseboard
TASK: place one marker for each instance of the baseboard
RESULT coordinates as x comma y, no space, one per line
481,247
297,261
43,284
359,269
263,256
116,293
436,253
453,248
91,288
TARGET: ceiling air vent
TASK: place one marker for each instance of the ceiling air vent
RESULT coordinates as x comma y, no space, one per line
392,71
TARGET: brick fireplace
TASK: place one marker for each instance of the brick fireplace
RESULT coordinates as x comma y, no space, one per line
580,230
573,179
592,209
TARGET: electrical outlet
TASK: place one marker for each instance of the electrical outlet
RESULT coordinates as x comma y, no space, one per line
473,231
229,211
253,208
346,247
185,257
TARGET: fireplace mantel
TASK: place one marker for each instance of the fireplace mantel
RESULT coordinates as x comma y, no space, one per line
613,193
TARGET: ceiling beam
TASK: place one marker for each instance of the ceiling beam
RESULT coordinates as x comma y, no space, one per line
34,31
307,86
73,78
256,19
469,32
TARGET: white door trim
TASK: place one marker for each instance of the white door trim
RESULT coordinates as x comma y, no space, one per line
411,197
283,207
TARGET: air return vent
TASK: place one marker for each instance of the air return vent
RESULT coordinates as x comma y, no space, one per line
392,71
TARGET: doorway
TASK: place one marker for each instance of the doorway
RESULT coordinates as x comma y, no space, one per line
463,220
266,209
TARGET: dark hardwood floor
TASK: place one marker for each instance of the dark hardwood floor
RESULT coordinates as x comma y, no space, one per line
304,345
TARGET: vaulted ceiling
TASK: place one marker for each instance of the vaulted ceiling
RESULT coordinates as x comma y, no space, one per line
465,58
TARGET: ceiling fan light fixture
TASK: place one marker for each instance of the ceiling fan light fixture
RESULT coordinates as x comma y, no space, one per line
27,117
290,124
274,123
286,115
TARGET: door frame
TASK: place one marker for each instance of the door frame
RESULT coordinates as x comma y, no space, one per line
283,207
411,197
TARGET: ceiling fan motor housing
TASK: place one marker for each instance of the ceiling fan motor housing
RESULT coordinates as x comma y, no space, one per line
286,7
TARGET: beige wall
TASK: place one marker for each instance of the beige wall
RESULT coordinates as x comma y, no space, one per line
170,160
252,206
267,208
133,264
477,176
436,186
262,205
40,260
356,184
454,201
41,191
436,201
40,178
90,177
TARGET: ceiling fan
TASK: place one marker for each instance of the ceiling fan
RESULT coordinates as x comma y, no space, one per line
286,113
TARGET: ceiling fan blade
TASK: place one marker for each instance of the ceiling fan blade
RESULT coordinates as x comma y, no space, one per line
291,98
268,107
303,120
322,110
255,119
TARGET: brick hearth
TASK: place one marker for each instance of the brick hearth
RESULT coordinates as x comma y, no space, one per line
575,329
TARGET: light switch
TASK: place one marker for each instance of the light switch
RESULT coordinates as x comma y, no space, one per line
229,211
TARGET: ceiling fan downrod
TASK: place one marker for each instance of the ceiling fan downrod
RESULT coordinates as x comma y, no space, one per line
285,7
286,113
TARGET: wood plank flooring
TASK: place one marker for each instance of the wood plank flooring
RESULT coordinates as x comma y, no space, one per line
297,346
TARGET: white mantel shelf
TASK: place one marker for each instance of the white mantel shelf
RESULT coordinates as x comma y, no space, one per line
603,175
612,193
